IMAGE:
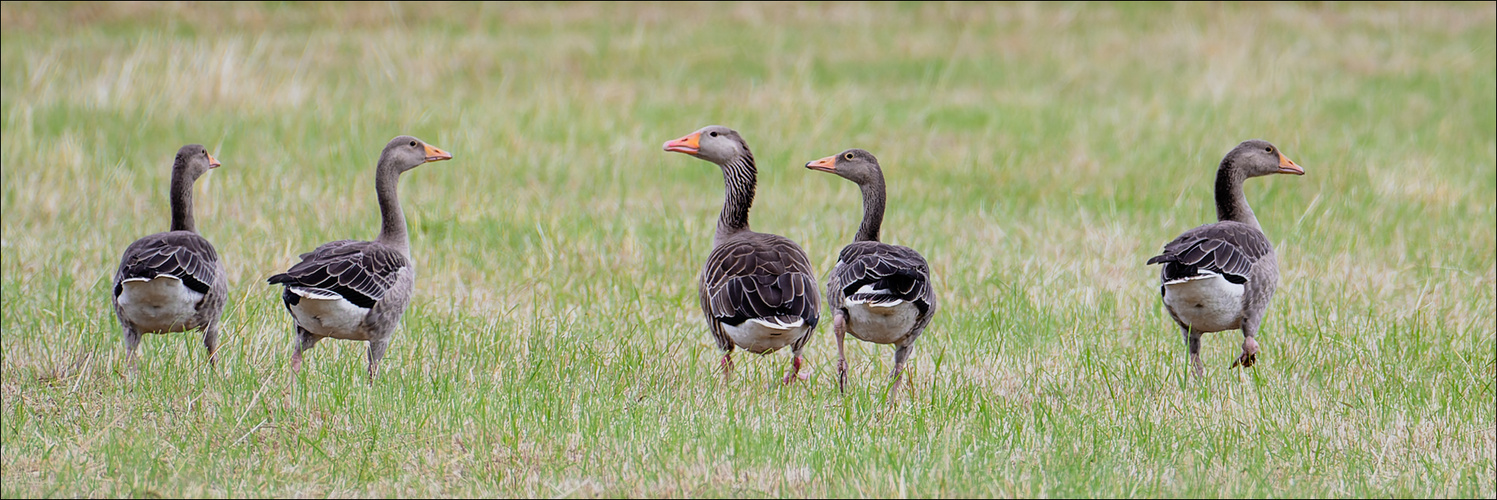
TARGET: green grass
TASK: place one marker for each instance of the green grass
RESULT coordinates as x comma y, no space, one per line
1037,154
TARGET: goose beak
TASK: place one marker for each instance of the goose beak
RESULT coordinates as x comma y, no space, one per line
212,162
690,144
828,164
1287,166
434,153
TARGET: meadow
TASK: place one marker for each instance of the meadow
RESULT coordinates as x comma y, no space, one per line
1036,154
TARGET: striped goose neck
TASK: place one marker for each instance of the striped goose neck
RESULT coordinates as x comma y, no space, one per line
740,177
181,198
1230,202
873,209
392,218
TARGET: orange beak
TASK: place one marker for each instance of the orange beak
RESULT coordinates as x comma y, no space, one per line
690,144
828,164
1287,166
212,162
434,153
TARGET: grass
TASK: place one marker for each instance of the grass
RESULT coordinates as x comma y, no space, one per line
1037,154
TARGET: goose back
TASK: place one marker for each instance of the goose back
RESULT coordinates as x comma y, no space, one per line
875,276
762,277
361,272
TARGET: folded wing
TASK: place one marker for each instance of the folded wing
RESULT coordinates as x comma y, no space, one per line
1226,248
767,278
181,254
358,271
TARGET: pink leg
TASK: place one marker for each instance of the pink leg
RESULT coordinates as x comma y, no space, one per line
794,372
1249,354
839,325
727,366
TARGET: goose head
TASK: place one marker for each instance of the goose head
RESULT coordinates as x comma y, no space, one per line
854,164
193,161
405,152
714,143
1256,158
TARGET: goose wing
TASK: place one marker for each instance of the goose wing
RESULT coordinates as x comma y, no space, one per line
358,271
763,277
1228,248
184,255
880,273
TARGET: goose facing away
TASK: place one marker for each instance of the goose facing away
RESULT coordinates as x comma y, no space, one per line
878,292
1222,276
173,281
757,290
357,290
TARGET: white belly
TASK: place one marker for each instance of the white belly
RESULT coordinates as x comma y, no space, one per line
336,318
1205,303
881,323
760,337
159,305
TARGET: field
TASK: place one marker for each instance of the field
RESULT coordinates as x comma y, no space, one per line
1036,154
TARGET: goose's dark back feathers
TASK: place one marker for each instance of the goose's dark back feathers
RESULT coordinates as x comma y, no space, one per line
183,254
359,271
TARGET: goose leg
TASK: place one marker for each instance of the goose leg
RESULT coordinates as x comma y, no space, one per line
794,372
132,342
727,366
304,340
1249,344
839,325
900,354
376,353
210,340
1193,345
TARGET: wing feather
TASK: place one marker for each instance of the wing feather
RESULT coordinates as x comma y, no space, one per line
892,272
1228,248
184,255
760,276
359,271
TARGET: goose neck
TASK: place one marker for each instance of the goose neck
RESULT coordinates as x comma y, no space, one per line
740,178
1230,202
873,209
392,229
181,199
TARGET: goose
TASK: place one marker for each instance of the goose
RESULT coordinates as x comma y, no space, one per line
357,290
757,290
878,292
173,281
1221,276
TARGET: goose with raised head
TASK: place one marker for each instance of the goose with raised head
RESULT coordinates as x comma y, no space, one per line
757,290
1221,276
878,292
173,281
357,290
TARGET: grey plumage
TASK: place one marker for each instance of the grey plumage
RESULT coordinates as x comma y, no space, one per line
756,285
1222,276
874,284
358,290
181,282
758,276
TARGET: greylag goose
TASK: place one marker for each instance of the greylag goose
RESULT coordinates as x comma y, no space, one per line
757,290
878,292
357,290
173,281
1222,276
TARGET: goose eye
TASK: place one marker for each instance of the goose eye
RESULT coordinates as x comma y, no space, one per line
713,134
1268,150
413,144
848,156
